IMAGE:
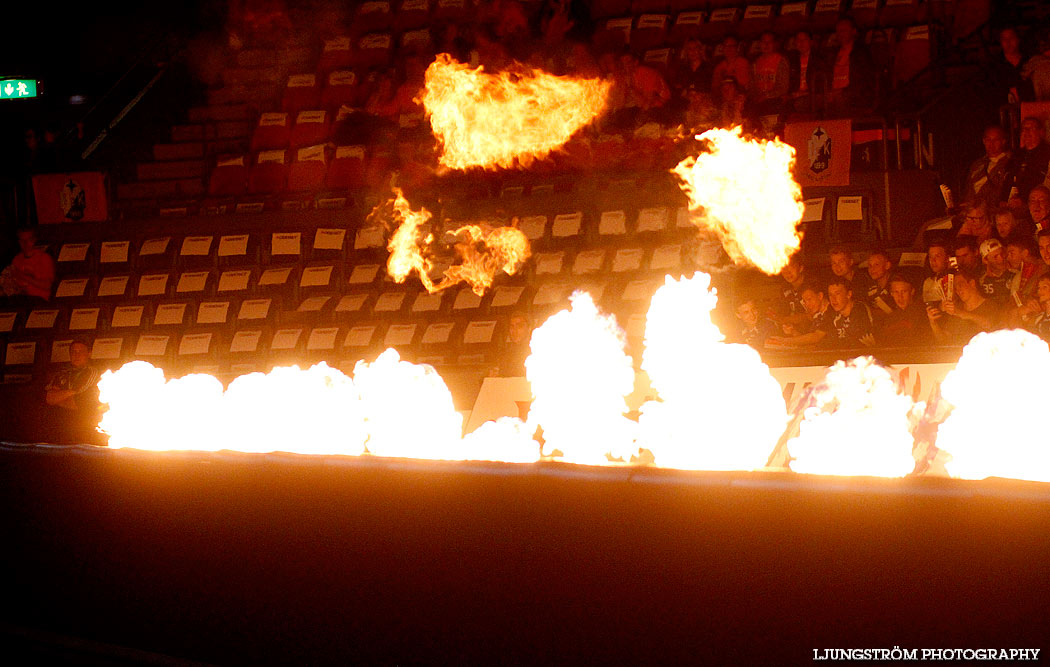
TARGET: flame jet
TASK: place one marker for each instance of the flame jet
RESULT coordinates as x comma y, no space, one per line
744,191
507,118
719,407
483,251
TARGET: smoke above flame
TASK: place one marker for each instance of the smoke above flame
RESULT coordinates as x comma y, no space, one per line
580,377
744,191
997,425
719,407
482,251
508,118
856,422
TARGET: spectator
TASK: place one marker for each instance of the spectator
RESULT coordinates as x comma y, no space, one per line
966,257
907,324
934,284
754,330
511,360
977,222
852,325
691,73
1022,259
853,82
1039,320
1037,70
647,89
733,65
1007,67
1039,208
995,280
1028,165
734,109
770,77
965,315
72,393
791,306
820,316
1007,224
878,296
988,174
1042,240
842,266
806,72
31,272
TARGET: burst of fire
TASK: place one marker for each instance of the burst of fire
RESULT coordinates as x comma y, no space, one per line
856,423
580,376
745,192
997,423
719,407
497,120
483,251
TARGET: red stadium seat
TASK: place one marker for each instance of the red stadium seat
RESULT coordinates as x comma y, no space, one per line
416,42
865,12
720,23
650,32
347,169
229,178
793,17
901,13
613,35
269,174
825,14
412,15
757,18
372,16
912,54
336,53
378,168
658,59
374,50
302,92
452,10
271,132
341,89
308,170
311,128
686,26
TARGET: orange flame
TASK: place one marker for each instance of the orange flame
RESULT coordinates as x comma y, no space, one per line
719,407
997,425
745,192
484,251
497,120
580,376
857,424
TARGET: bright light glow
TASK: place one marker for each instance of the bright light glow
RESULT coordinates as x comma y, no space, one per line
507,439
507,118
580,376
857,423
997,426
744,191
719,407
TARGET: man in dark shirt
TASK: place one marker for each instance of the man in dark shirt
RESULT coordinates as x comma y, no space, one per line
820,316
791,310
842,266
1028,166
755,329
907,324
963,317
1040,323
852,325
966,256
996,280
72,393
878,296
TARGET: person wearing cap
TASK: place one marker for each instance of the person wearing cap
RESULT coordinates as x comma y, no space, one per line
995,281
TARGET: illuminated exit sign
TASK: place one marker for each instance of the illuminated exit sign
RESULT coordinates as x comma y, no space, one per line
16,88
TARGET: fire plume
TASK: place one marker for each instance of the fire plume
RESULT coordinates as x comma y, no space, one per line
856,423
997,425
744,191
719,407
507,118
580,376
483,251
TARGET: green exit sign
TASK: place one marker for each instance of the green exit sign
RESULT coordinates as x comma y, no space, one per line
16,88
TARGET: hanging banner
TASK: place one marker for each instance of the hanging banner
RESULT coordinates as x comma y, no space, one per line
822,151
76,197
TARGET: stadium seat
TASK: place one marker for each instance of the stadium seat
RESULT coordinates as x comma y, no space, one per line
128,316
302,92
686,26
613,34
452,10
311,128
71,288
73,258
374,50
340,89
720,22
212,312
412,15
898,13
155,253
912,53
114,256
416,42
372,16
37,320
196,252
307,172
269,174
612,224
756,19
10,320
154,347
170,314
272,131
567,227
237,250
229,178
650,32
255,310
192,283
152,285
112,287
792,17
825,14
336,53
865,13
606,8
